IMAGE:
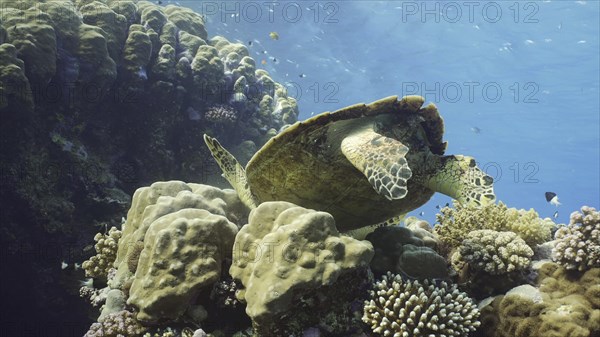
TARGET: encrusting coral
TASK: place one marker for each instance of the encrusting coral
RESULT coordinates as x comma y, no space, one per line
106,252
578,244
297,270
564,304
399,250
493,252
455,223
412,308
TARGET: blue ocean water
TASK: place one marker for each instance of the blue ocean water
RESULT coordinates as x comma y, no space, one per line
516,82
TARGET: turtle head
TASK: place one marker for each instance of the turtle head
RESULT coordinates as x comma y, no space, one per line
459,177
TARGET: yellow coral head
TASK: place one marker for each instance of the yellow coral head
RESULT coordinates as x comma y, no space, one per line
459,177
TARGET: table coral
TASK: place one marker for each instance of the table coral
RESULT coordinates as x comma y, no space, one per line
297,270
493,252
419,308
578,244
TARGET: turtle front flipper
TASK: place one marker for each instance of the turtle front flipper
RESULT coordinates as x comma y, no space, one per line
459,177
381,159
232,171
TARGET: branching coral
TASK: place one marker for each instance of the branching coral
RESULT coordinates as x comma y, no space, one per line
455,223
578,244
220,113
119,324
414,309
106,253
493,252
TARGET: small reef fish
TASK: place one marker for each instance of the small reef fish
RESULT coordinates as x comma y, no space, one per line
555,215
274,36
552,198
476,129
421,213
263,62
302,75
250,43
88,282
274,60
64,265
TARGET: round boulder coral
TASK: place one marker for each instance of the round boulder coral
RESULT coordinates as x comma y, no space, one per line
494,252
414,309
578,244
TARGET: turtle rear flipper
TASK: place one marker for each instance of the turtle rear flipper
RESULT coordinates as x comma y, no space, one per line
459,177
361,233
232,171
381,159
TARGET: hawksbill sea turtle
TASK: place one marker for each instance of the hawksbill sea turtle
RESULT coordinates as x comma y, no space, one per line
366,164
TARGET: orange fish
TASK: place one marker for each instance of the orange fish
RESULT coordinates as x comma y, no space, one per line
263,62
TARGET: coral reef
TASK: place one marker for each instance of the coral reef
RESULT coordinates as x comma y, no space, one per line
399,250
416,309
106,246
297,270
455,223
564,303
578,244
493,252
98,98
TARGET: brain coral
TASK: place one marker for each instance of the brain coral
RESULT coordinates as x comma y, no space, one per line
296,269
578,244
455,223
493,252
402,308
